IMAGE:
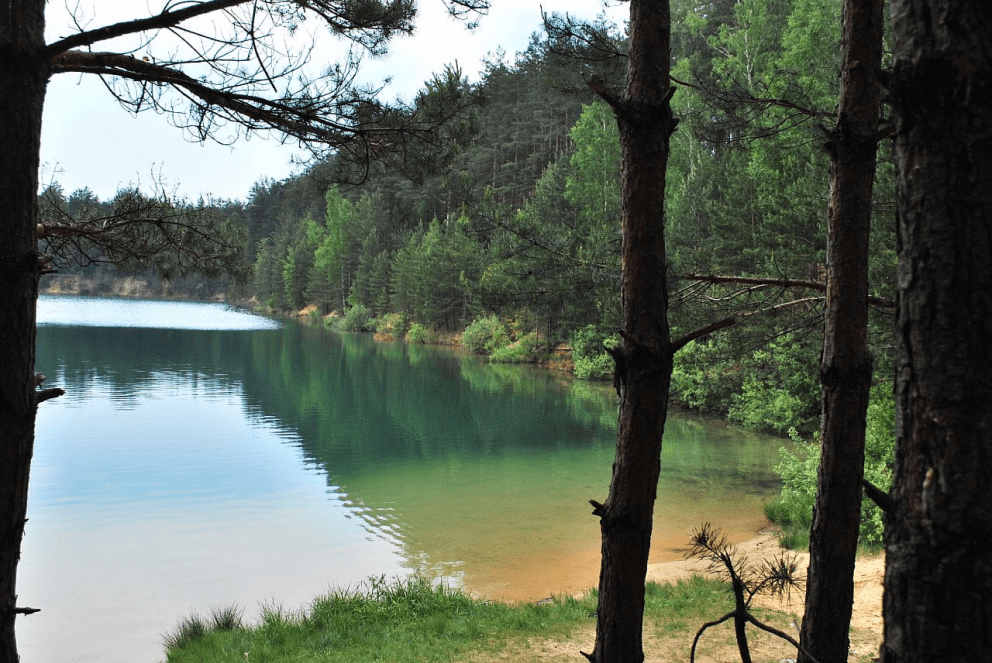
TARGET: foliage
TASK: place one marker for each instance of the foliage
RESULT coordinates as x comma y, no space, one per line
419,334
485,334
880,438
523,216
134,231
774,388
390,323
704,378
793,510
434,273
524,350
591,360
358,318
332,247
781,391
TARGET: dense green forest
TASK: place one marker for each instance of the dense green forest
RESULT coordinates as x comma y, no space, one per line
510,232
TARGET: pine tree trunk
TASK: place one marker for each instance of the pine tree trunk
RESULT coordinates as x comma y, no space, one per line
938,582
845,369
22,93
644,361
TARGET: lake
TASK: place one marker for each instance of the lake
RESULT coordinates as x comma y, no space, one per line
204,456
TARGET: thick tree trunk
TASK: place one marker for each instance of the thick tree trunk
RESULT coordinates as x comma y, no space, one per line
938,581
22,93
845,369
644,361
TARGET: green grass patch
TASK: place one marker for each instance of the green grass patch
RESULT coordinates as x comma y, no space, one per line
682,607
414,620
793,521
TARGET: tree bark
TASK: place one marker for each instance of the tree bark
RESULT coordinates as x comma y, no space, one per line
938,582
845,369
644,360
23,79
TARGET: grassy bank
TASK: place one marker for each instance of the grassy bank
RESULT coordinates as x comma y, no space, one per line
415,621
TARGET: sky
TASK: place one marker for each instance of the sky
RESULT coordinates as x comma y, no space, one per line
90,141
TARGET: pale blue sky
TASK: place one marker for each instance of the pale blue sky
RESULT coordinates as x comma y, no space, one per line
87,140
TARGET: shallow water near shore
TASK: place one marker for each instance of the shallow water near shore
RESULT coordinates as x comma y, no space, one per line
197,461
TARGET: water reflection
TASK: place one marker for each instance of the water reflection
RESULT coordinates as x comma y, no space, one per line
190,468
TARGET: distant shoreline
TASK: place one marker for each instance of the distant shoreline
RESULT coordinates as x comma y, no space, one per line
137,287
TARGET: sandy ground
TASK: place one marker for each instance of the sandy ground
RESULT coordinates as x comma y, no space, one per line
868,575
866,618
672,643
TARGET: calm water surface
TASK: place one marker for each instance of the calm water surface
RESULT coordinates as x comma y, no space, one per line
203,456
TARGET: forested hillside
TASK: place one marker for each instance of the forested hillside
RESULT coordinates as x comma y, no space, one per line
511,229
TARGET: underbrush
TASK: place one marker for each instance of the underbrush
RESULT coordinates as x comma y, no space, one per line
793,510
414,620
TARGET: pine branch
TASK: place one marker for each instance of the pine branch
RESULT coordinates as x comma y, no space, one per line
881,302
733,320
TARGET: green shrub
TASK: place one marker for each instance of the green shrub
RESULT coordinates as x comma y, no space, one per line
793,510
358,318
523,351
419,334
880,442
706,375
390,323
782,389
485,335
589,356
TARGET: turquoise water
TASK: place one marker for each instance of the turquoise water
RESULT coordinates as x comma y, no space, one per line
203,456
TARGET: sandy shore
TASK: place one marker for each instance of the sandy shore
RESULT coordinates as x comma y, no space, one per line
866,619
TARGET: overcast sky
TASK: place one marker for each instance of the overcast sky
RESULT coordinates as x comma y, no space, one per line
88,140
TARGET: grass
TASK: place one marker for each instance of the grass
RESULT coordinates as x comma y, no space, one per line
414,621
793,522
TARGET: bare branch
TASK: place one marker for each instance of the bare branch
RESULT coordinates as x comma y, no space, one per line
733,320
745,95
785,636
166,19
702,331
25,611
135,231
745,280
304,118
699,634
881,302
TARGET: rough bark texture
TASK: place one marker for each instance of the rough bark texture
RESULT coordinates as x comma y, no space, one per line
938,583
644,361
845,369
22,92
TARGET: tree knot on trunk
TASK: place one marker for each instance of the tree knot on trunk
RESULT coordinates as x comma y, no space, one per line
619,367
834,376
